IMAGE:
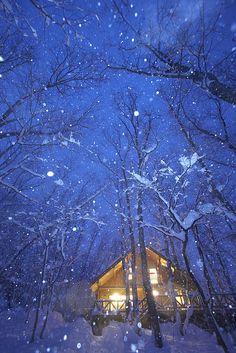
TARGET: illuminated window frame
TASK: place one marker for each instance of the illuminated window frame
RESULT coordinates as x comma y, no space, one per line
153,275
130,274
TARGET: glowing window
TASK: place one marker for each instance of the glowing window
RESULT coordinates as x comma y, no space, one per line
153,275
130,274
117,297
117,301
163,263
155,293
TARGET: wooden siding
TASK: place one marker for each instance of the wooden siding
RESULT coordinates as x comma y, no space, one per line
112,281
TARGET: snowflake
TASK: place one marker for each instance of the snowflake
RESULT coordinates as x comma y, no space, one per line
59,182
50,173
133,348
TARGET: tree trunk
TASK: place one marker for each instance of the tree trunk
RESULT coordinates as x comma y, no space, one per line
221,260
133,248
40,295
125,266
172,294
152,310
219,336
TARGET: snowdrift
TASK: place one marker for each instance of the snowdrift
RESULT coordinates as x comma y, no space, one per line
77,337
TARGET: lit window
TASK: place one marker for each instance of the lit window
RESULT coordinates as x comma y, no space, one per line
117,297
163,263
130,274
118,301
153,275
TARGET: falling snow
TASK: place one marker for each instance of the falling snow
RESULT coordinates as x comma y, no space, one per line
50,173
117,137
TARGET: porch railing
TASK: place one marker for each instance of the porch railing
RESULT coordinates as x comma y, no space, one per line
108,305
164,303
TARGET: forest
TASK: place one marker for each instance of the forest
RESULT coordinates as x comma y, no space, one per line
117,135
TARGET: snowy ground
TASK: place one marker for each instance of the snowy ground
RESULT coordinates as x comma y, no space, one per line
77,337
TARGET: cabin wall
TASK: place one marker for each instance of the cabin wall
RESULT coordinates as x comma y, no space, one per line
115,284
112,284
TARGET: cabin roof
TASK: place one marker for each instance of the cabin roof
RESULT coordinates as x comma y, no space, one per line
116,262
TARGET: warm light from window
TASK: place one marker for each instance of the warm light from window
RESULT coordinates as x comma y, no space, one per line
153,275
163,262
179,300
130,274
117,296
155,293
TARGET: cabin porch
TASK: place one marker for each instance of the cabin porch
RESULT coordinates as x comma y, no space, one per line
220,303
111,286
163,302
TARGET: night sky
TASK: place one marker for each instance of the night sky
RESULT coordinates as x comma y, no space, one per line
65,151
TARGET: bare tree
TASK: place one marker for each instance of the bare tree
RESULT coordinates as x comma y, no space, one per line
174,41
182,229
136,141
178,110
51,235
35,114
120,179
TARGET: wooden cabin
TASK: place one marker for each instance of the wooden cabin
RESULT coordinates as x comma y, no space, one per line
110,289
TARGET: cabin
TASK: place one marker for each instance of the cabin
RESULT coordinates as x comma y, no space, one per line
110,289
111,300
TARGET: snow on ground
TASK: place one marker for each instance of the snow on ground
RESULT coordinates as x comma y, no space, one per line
77,337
